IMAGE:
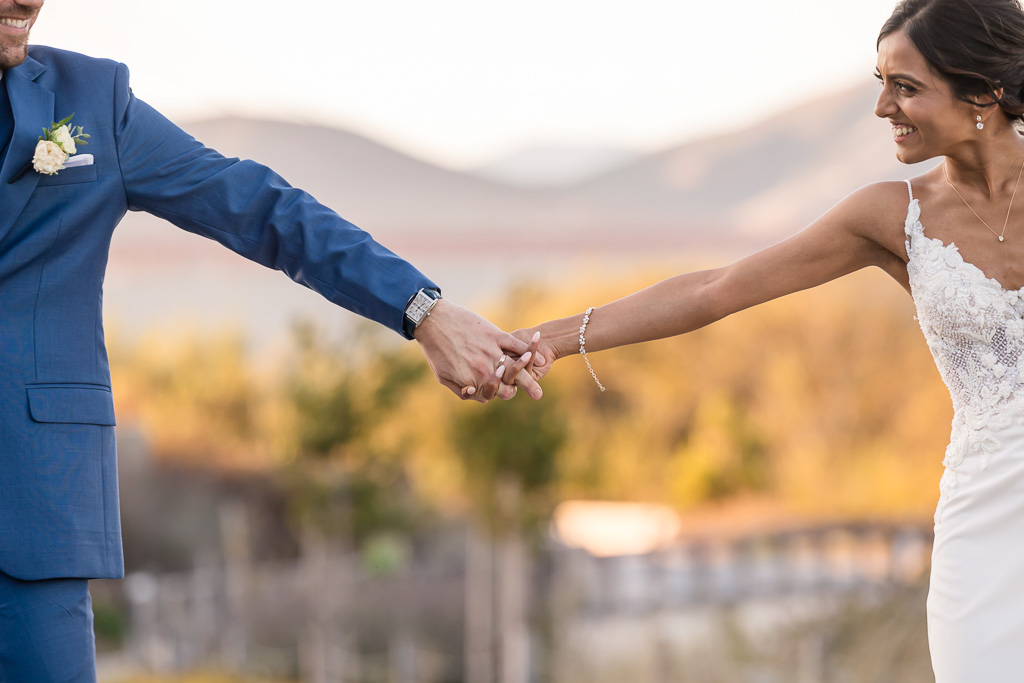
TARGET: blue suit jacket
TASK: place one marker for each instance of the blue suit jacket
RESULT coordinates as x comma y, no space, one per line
58,476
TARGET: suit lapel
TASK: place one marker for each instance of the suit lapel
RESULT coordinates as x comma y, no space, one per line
32,105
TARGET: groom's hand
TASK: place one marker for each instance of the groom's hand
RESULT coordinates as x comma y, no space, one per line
465,352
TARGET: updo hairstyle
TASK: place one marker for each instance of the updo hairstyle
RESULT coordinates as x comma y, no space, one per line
977,46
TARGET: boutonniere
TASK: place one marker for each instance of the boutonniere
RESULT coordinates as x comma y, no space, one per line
56,144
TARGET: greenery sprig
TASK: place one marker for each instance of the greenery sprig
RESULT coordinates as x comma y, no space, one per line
75,132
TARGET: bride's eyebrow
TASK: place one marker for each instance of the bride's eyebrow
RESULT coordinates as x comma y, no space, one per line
900,77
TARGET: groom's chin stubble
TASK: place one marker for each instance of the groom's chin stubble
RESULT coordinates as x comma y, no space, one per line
13,55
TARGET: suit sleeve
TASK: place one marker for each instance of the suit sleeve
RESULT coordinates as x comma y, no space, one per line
251,210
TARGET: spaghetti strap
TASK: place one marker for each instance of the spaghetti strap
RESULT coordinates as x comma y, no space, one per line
912,226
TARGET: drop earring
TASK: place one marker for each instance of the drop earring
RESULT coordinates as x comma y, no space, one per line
981,126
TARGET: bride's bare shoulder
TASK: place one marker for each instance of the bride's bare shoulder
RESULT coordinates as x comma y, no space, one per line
897,193
877,209
882,194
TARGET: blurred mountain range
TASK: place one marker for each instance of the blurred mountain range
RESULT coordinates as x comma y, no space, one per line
736,191
731,194
554,165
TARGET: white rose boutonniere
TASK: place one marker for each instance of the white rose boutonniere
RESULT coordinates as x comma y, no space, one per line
49,157
56,144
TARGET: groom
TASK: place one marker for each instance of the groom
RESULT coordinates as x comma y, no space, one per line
59,520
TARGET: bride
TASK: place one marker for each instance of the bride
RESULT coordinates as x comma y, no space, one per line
952,82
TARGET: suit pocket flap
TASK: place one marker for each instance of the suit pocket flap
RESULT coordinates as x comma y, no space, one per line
79,404
69,176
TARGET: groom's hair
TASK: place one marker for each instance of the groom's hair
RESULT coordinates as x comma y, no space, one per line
977,46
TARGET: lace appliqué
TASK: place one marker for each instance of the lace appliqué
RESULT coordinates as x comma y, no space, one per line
975,332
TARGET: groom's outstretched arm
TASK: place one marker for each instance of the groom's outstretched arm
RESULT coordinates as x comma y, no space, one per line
256,213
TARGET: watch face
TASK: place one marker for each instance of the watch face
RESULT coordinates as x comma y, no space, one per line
417,310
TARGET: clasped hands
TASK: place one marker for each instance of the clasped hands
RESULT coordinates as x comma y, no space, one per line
476,360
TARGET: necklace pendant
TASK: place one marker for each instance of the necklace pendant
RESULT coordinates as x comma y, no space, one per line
1000,238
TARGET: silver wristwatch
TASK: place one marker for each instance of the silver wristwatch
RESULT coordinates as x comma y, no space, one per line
418,308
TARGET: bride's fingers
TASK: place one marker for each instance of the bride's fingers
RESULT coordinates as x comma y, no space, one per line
529,385
524,361
523,378
503,383
508,376
539,360
513,369
502,390
492,386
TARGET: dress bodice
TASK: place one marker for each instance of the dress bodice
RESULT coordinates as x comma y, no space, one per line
975,332
974,327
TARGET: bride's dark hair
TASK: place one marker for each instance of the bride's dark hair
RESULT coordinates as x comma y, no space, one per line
977,46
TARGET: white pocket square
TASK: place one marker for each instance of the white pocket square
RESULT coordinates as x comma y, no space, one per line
79,160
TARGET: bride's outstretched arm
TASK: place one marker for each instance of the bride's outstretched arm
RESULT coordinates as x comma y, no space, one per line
865,229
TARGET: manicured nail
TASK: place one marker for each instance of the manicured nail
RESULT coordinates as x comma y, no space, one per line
526,357
500,372
470,391
536,337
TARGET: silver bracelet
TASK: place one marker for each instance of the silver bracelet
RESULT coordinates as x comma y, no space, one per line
583,346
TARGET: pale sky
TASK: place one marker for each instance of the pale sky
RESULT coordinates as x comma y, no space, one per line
460,82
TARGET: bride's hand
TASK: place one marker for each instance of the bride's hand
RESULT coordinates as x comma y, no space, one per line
543,357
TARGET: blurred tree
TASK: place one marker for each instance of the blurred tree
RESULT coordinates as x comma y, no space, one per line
346,482
516,441
196,396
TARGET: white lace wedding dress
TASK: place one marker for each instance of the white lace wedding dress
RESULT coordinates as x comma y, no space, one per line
975,331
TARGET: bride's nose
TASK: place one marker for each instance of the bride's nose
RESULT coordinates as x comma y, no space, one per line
884,106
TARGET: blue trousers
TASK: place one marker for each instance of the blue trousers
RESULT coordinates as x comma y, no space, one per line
46,631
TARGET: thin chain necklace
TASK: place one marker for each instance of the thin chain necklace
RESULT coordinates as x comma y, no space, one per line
1006,221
